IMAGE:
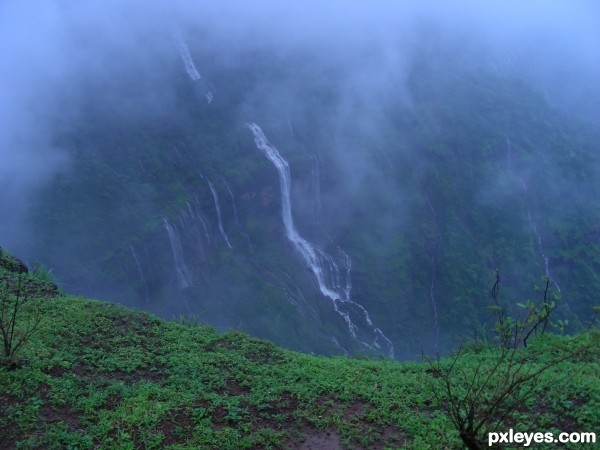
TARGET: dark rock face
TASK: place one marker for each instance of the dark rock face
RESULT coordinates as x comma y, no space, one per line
17,284
11,263
30,286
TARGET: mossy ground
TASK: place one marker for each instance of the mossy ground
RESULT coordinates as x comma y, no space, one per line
97,375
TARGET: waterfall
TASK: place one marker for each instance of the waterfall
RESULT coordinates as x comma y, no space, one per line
529,216
291,128
321,264
338,345
183,274
190,216
436,326
348,264
432,300
198,214
315,188
307,251
293,294
235,214
188,62
142,277
219,219
184,52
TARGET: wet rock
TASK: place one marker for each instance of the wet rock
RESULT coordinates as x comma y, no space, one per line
12,264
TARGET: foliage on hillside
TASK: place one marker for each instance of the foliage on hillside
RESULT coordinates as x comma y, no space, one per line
99,375
9,263
461,171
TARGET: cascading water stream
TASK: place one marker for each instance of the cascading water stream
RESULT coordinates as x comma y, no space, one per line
142,277
529,216
432,300
183,274
191,215
309,254
321,264
188,62
184,52
348,264
291,128
338,345
294,295
235,214
436,326
219,218
315,179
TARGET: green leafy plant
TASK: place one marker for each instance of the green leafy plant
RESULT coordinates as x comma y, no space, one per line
483,396
189,320
10,263
14,299
43,273
512,332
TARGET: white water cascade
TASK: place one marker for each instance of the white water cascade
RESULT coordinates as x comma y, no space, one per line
188,62
432,300
142,277
321,264
184,52
235,214
529,216
191,215
315,183
183,274
219,218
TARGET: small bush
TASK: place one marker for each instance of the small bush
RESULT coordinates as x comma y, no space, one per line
43,273
483,396
15,329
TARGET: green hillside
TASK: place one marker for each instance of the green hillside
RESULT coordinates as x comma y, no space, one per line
96,375
455,171
298,225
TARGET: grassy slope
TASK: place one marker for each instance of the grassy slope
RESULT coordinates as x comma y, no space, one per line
98,375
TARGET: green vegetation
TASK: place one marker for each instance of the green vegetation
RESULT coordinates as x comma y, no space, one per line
485,397
14,300
480,172
96,375
9,263
498,388
20,314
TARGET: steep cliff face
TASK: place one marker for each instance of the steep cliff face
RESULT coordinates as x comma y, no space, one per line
408,186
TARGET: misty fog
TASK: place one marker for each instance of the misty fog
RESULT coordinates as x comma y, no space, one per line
364,100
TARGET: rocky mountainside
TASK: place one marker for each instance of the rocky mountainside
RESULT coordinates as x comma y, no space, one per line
335,199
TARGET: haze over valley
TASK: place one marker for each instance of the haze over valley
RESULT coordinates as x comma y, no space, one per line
338,177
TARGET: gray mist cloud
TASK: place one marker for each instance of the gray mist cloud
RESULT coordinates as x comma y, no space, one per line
30,89
57,54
